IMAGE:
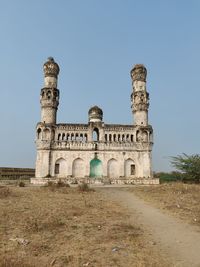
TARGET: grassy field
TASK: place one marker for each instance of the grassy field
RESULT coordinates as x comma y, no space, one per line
64,226
179,199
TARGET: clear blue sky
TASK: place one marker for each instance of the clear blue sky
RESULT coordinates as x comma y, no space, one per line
96,42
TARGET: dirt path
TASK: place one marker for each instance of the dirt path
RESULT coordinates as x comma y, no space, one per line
176,240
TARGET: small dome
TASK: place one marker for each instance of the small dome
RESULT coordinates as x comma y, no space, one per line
51,68
95,114
139,73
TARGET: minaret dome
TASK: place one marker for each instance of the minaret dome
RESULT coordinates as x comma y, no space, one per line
51,68
139,73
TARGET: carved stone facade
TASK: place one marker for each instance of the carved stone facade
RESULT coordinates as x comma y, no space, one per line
96,151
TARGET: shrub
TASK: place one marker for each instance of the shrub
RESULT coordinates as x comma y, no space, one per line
84,188
60,183
21,184
53,186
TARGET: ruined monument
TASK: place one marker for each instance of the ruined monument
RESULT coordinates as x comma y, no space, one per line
94,151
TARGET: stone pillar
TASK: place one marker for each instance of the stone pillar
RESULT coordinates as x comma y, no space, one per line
139,96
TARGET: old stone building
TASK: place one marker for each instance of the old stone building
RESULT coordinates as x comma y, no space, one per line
94,151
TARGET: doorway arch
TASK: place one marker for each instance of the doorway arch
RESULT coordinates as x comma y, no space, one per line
96,169
129,168
112,169
60,168
78,168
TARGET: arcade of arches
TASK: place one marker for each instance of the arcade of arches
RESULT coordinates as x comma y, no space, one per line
78,168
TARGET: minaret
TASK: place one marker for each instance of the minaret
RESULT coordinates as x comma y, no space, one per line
139,96
49,96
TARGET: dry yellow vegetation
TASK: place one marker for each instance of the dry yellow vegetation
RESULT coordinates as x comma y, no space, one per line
179,199
50,226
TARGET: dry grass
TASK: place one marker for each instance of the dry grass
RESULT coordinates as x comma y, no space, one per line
67,227
181,200
4,192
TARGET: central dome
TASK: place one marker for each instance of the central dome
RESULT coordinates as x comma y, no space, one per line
95,114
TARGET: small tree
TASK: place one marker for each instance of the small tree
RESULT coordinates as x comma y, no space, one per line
188,165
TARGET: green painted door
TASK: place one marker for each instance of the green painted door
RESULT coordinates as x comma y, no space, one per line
95,168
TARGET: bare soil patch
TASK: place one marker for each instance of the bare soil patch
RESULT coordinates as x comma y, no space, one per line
179,199
64,226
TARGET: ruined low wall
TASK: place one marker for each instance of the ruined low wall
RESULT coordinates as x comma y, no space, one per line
98,181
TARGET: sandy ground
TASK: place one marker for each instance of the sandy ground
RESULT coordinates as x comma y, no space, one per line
176,240
59,227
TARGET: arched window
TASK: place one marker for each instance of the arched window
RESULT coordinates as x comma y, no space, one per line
114,137
131,137
39,133
63,136
67,137
85,137
59,135
81,137
118,137
95,135
110,137
48,94
46,134
106,138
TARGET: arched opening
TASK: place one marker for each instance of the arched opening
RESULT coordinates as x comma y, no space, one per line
81,137
60,169
95,135
78,168
129,168
112,169
96,168
49,95
67,137
151,137
85,138
131,137
145,136
39,133
106,138
46,134
118,137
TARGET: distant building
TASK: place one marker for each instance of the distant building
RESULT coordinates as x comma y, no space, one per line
94,151
16,173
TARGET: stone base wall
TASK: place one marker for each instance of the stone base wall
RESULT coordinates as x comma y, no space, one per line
98,181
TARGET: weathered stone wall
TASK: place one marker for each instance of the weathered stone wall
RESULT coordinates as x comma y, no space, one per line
77,163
